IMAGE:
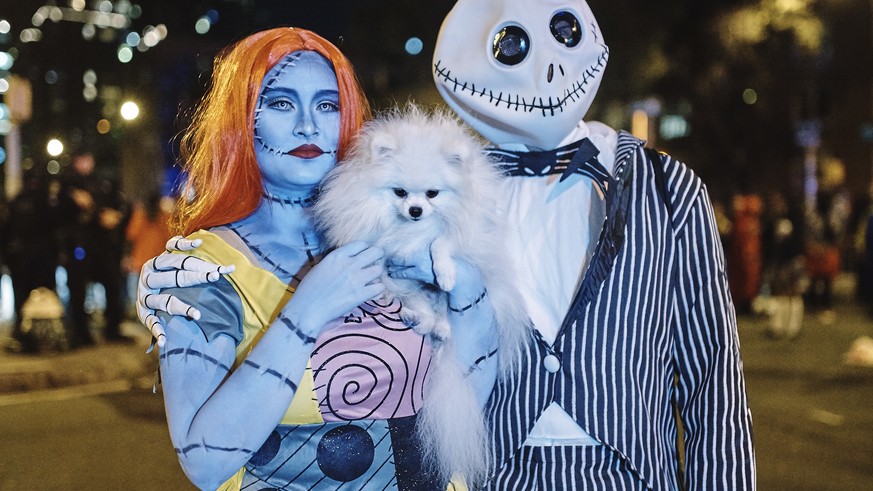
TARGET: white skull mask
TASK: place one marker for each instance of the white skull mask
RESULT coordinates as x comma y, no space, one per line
520,71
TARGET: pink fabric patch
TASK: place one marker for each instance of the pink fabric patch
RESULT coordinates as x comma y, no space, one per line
368,365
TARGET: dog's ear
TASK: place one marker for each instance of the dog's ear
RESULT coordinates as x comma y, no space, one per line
458,155
382,145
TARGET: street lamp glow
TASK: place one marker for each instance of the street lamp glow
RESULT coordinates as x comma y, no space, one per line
54,147
129,110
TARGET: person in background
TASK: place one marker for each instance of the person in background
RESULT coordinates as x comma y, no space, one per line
785,278
147,233
95,218
30,244
744,254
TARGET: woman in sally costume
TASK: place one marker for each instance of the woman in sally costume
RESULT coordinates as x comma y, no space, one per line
291,373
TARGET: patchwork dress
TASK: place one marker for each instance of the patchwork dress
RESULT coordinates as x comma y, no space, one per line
351,424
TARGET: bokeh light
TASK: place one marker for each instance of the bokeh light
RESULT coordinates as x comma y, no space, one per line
125,54
414,46
103,126
89,93
89,77
202,25
88,32
129,111
53,167
51,77
54,147
30,35
5,27
6,60
750,96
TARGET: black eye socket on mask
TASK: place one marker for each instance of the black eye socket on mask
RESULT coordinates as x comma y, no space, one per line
566,29
511,45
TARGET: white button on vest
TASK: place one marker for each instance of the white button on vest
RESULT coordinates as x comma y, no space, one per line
551,363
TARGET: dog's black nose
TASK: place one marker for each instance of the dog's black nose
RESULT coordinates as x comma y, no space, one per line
415,211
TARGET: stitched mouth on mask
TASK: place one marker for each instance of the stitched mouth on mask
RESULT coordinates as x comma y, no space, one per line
548,105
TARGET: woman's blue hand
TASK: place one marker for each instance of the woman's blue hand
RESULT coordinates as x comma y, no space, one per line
344,279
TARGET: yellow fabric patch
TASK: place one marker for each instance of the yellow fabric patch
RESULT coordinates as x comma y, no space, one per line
234,483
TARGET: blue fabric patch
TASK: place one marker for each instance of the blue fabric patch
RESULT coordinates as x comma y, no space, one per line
220,308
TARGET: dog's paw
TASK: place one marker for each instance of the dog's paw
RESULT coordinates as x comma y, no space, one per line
422,322
446,275
410,319
441,329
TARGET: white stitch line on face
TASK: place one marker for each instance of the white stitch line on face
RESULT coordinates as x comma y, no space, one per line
288,62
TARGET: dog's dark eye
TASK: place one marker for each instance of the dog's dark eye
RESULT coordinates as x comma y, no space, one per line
401,193
432,194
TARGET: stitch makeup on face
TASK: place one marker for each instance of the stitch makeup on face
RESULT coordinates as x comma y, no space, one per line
296,127
273,83
279,69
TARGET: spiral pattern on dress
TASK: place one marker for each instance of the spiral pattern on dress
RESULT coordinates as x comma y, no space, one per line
369,366
360,381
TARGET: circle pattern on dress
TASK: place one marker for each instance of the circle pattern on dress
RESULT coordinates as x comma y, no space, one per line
268,450
345,453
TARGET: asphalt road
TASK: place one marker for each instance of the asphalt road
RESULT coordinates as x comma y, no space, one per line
104,442
812,413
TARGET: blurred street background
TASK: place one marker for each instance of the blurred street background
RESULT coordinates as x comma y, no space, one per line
769,101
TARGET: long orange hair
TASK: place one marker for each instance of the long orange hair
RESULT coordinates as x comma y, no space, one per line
224,180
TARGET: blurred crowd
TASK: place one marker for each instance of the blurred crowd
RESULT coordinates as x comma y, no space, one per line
73,246
785,251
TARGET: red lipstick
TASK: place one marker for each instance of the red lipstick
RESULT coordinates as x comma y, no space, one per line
307,151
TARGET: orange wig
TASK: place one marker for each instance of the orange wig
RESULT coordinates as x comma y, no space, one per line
224,181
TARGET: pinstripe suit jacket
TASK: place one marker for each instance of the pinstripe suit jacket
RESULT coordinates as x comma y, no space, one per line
651,333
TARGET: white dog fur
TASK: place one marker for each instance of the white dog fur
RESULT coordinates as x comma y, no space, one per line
415,179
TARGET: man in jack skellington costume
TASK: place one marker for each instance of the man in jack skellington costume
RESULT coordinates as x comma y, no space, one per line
622,266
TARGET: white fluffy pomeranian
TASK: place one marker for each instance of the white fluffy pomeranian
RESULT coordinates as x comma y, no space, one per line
415,180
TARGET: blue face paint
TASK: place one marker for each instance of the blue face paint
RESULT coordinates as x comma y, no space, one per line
297,124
